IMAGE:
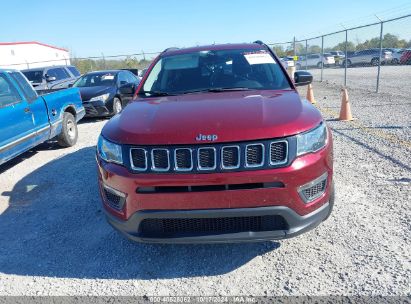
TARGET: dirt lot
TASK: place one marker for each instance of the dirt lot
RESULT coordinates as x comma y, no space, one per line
54,239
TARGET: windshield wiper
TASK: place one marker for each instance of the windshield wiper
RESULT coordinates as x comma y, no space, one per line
228,89
156,93
216,90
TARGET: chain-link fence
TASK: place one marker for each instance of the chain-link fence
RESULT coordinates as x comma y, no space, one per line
374,57
86,64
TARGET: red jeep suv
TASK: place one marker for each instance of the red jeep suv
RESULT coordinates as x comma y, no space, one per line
216,147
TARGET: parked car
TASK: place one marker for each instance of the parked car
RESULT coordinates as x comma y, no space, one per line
406,57
339,57
28,119
314,60
218,146
55,77
395,54
368,57
287,61
106,93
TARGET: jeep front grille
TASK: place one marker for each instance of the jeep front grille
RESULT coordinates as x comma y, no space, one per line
210,158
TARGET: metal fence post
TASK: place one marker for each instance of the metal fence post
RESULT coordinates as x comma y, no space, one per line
346,58
306,51
322,56
379,61
295,53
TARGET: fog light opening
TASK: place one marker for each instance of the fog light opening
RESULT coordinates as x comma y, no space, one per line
314,189
114,198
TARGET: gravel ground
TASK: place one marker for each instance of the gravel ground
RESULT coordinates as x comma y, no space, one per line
394,80
54,239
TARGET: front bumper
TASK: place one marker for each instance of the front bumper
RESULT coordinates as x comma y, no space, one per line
296,224
96,109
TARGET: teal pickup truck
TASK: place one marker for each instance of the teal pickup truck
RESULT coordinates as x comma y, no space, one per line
27,119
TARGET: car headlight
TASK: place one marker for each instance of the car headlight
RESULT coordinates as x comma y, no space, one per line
109,151
312,140
103,97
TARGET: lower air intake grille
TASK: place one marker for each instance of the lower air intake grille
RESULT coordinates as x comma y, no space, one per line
314,191
180,227
113,199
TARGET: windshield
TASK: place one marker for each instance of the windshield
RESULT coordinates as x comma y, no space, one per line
95,80
34,76
215,70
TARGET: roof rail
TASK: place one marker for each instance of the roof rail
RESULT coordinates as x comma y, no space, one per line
170,49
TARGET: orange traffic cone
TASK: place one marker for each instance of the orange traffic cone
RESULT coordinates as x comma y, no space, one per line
310,94
345,112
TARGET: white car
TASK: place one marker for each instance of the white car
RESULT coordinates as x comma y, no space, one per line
287,62
314,60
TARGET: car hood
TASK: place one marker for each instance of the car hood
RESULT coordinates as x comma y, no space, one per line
89,92
232,116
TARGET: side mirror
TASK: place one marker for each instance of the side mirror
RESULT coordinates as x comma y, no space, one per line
302,78
129,88
50,78
70,85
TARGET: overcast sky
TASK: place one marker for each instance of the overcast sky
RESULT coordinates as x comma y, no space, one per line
90,28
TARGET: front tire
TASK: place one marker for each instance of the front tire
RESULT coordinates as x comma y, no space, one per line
348,63
69,132
375,61
117,106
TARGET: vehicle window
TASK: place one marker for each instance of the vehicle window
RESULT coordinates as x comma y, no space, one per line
34,76
204,70
59,73
8,93
27,89
122,77
131,78
74,71
95,80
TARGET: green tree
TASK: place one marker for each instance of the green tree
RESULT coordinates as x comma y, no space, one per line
341,46
279,50
312,49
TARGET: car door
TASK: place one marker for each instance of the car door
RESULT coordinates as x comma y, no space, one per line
37,107
356,57
365,57
16,128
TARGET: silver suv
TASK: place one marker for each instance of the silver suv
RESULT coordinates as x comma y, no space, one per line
52,78
368,57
